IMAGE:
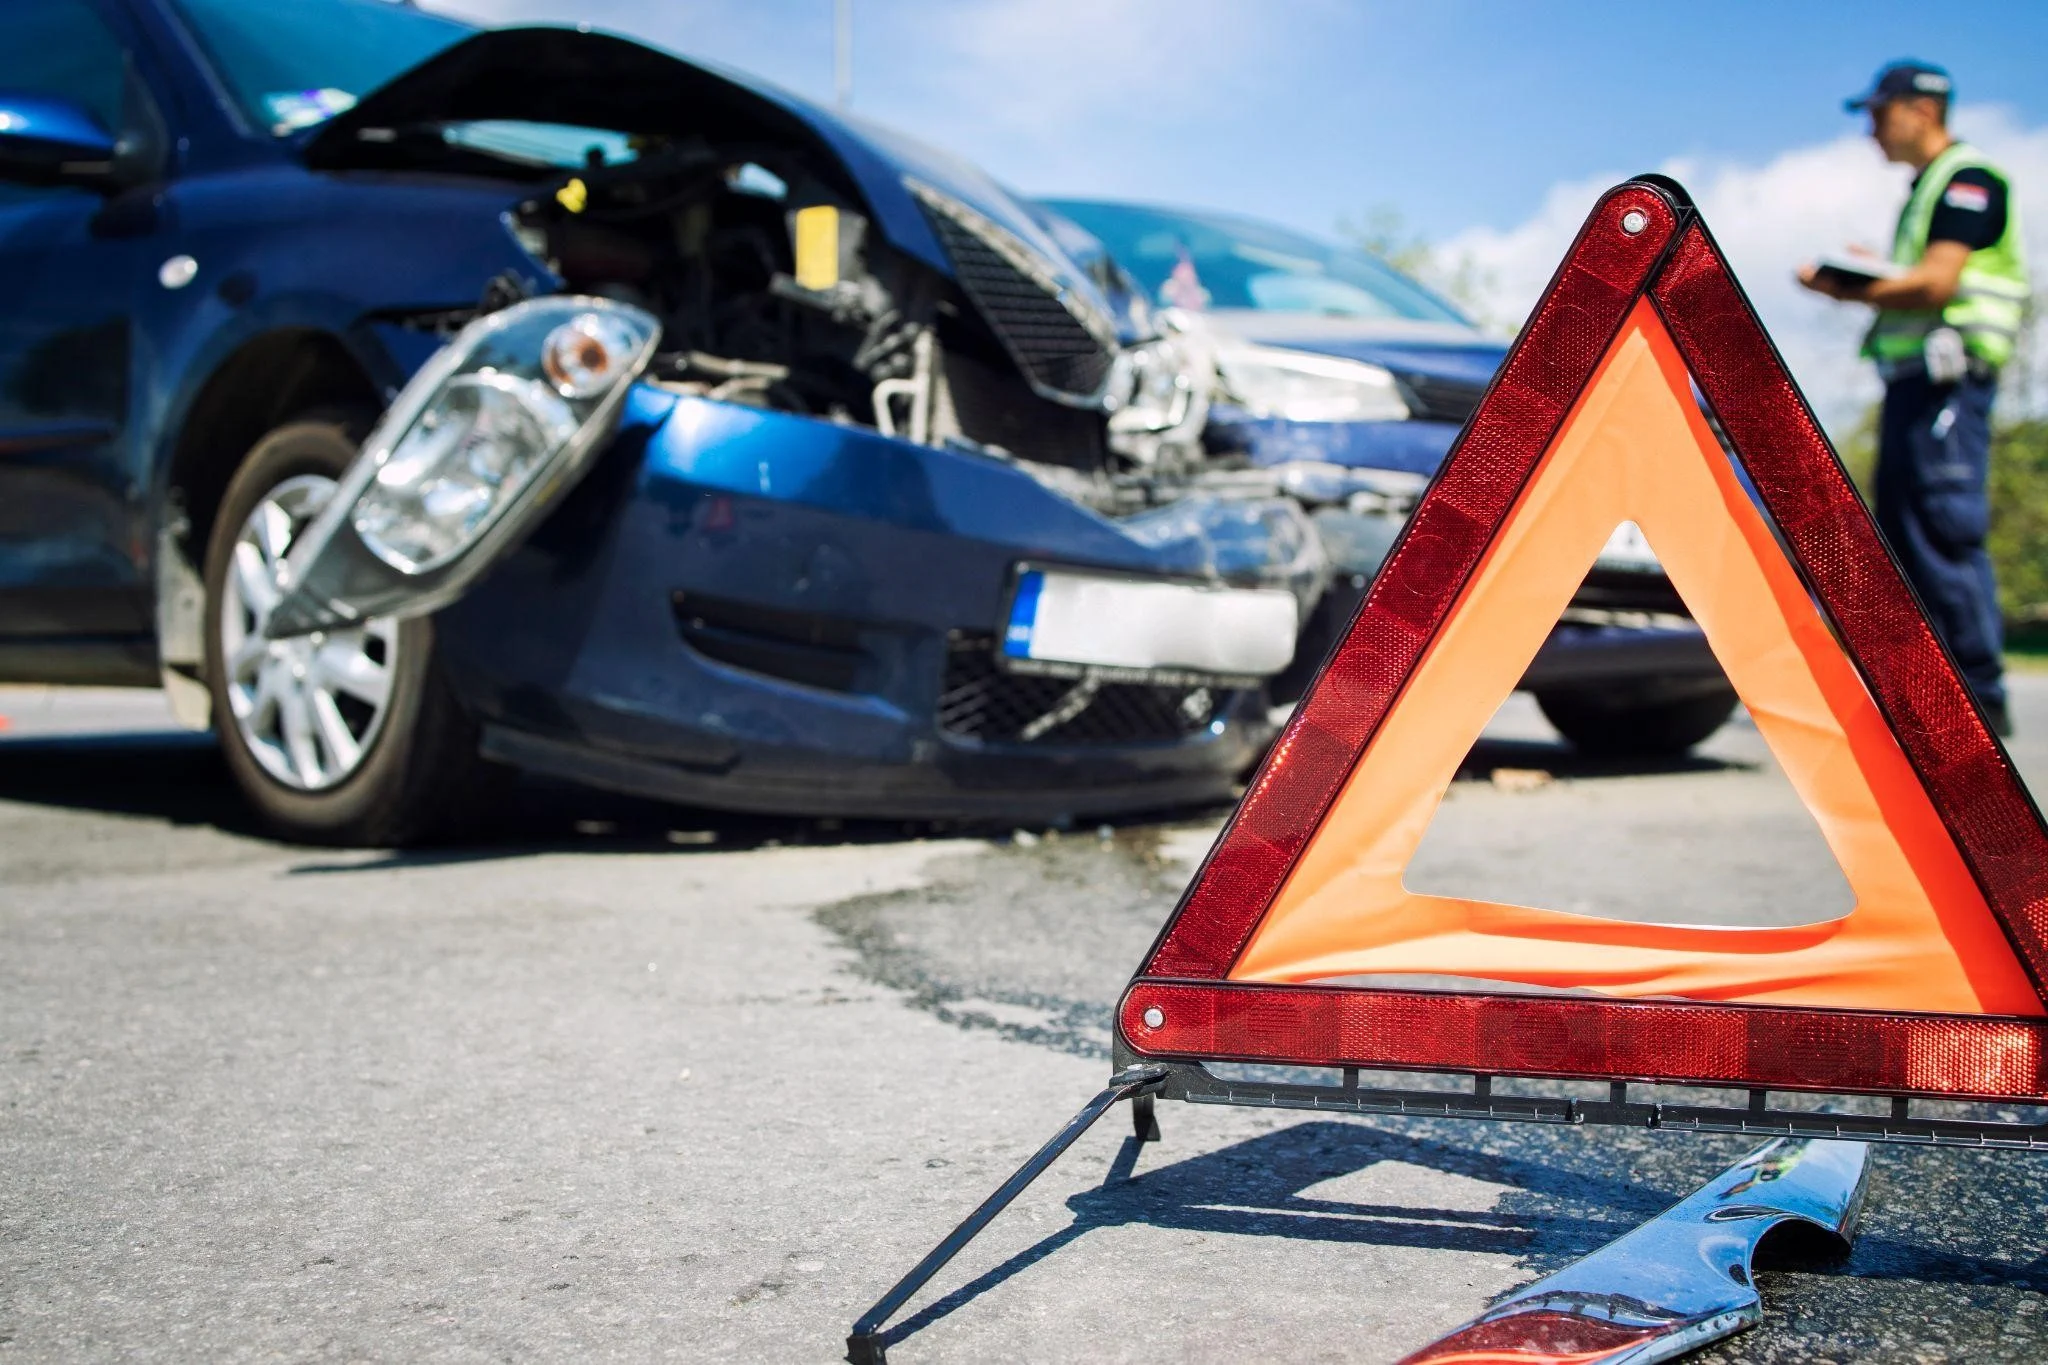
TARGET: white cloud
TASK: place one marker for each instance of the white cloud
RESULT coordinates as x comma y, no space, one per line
1045,68
1770,218
1055,69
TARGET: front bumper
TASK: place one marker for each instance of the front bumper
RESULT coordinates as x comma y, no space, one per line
753,611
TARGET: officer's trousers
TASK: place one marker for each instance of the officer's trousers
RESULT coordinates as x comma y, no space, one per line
1934,455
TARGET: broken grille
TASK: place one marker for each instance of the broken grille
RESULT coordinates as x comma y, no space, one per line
1055,338
979,701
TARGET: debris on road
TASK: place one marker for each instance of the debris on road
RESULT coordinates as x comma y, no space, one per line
1521,779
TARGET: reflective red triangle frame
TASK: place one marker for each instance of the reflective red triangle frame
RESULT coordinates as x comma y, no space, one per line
1674,262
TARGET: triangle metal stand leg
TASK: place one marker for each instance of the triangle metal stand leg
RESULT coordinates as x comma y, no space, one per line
865,1346
1145,1116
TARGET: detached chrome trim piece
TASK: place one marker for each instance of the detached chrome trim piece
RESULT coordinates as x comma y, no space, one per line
1680,1280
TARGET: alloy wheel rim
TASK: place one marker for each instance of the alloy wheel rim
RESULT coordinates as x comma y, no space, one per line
307,708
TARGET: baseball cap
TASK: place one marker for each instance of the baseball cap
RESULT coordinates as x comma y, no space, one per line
1901,79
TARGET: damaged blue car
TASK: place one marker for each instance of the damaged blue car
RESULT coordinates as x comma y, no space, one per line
416,403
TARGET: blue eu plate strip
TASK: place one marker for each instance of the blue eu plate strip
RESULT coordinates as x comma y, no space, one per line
1023,616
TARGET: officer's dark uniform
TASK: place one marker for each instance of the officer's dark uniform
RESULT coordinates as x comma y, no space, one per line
1934,447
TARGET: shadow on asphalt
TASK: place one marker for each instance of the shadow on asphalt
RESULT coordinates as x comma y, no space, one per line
1256,1188
1890,1258
174,776
1561,760
179,778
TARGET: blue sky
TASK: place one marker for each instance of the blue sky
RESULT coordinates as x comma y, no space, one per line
1460,113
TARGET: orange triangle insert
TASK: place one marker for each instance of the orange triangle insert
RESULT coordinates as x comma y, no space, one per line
1931,984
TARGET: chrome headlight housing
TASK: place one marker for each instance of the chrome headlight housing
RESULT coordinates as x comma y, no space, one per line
484,438
479,441
1159,390
1300,386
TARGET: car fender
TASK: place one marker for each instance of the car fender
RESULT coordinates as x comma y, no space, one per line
282,256
280,250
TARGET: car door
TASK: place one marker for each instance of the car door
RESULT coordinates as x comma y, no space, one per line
74,546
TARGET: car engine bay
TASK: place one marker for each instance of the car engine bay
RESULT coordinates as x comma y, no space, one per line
772,291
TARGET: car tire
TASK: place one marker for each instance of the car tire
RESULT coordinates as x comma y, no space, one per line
348,737
1606,725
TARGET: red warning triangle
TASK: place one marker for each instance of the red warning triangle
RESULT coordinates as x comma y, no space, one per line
1932,984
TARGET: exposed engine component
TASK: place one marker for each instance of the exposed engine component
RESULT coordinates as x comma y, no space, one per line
916,391
773,291
728,381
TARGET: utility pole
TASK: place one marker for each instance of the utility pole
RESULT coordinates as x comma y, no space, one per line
842,55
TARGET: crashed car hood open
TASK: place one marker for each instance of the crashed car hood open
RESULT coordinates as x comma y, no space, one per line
597,80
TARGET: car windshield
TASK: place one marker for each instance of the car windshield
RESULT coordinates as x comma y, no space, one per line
290,66
1200,260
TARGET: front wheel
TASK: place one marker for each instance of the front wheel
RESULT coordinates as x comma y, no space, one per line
341,736
1617,726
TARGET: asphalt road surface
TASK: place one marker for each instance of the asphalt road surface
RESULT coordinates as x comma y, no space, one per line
634,1083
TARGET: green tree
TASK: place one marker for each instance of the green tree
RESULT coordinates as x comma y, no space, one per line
2019,518
2019,490
1384,231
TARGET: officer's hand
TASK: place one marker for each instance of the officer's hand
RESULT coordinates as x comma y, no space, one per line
1810,275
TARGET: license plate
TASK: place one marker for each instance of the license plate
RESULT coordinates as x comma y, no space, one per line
1628,549
1097,623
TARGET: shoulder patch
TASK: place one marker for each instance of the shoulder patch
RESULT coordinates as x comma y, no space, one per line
1972,198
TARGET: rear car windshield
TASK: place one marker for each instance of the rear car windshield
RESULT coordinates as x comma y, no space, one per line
1200,260
292,65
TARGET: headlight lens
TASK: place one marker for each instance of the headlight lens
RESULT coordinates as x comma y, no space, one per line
1159,390
1297,386
493,414
477,444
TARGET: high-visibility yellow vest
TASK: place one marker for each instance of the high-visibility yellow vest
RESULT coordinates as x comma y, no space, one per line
1991,298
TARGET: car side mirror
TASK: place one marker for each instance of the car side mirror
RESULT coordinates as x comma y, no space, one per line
47,141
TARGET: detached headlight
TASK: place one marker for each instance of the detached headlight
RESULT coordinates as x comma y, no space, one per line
497,424
1298,386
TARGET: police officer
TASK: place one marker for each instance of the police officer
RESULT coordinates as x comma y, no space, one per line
1946,321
